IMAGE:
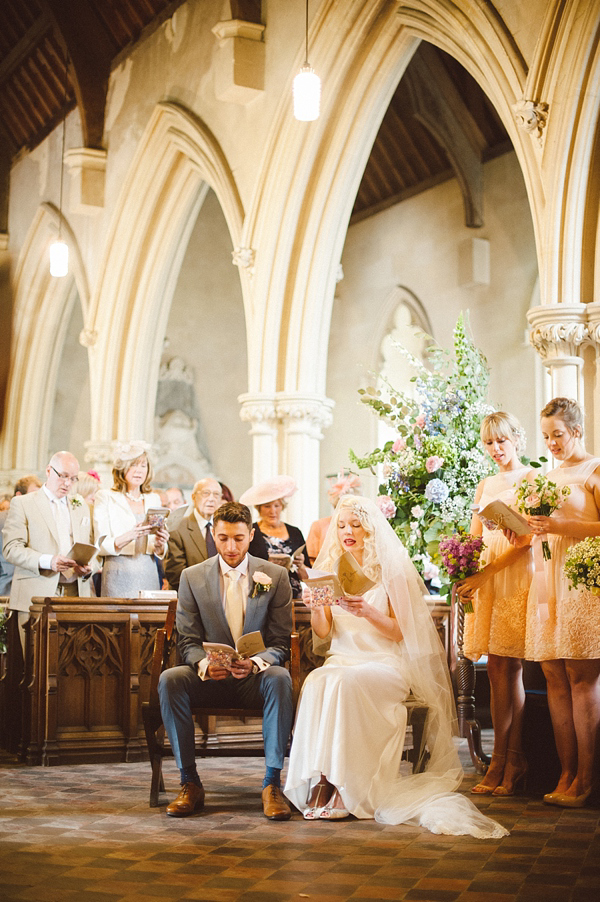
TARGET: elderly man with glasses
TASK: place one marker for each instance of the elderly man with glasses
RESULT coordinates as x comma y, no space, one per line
191,541
39,532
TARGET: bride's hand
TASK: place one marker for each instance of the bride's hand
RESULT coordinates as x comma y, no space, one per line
355,604
306,596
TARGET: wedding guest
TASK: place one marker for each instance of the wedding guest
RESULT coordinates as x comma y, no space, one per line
174,498
350,726
192,541
567,643
24,486
272,536
125,542
499,593
226,492
40,530
87,486
344,485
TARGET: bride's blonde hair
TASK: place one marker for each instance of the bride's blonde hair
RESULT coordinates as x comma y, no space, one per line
370,564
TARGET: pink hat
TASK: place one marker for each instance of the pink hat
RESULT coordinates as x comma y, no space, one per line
345,485
270,490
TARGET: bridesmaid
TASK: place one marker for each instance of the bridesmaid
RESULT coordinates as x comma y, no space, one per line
499,591
567,643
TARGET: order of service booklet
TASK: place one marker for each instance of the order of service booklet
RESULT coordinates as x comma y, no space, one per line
221,655
347,579
505,517
156,518
81,553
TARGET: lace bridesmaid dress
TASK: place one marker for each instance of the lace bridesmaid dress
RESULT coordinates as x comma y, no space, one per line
497,625
572,629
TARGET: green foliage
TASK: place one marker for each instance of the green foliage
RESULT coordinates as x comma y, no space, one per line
432,469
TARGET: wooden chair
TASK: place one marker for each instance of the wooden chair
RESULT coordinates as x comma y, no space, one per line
165,655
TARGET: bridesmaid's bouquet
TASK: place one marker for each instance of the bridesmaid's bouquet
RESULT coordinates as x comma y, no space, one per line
460,555
540,498
582,564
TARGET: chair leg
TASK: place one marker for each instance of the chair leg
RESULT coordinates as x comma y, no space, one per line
155,733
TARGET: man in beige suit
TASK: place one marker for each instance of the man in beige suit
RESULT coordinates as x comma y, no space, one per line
38,534
191,542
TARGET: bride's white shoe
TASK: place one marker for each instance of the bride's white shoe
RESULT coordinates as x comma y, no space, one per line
331,812
314,812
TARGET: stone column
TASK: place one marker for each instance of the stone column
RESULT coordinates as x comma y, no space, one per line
558,332
593,318
303,417
259,410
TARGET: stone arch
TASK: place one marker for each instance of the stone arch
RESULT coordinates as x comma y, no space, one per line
177,160
43,305
361,51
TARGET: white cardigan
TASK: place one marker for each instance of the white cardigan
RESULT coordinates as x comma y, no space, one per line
113,516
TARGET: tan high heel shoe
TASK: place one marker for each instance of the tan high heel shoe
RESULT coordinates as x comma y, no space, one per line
518,779
485,789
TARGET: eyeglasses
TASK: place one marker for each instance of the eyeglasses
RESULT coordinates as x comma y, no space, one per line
216,495
70,480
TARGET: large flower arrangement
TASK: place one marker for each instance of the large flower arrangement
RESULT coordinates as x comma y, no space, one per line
432,469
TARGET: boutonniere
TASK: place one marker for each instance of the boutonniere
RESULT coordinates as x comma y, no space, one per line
262,583
75,502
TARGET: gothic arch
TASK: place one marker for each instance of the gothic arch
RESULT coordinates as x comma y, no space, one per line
177,160
361,52
43,305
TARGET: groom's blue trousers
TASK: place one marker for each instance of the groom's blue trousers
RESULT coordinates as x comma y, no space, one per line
180,689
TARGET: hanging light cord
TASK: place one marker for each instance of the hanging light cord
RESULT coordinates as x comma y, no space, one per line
62,155
306,45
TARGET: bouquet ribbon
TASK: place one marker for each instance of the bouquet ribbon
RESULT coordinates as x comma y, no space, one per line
540,577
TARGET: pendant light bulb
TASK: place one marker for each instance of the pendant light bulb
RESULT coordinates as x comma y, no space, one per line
307,95
59,259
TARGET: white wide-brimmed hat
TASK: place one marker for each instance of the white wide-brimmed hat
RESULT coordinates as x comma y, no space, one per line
270,490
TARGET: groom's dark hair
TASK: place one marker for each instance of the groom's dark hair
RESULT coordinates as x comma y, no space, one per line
233,512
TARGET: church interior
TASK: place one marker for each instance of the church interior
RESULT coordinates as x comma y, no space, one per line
235,278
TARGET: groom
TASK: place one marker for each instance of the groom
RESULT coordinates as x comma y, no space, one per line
218,600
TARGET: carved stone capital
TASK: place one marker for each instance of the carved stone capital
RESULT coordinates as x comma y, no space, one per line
593,323
258,409
243,258
99,452
531,116
309,414
558,331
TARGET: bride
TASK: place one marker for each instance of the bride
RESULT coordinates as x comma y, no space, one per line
349,732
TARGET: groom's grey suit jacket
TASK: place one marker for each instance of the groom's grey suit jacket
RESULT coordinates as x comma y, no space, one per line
201,615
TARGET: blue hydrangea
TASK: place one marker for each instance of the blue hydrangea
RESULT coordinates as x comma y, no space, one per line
437,491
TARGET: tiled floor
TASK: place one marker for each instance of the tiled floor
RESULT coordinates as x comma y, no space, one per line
86,834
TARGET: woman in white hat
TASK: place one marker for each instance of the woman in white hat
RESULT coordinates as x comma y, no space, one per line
123,538
272,536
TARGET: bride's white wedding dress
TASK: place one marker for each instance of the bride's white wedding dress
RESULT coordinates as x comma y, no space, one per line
351,718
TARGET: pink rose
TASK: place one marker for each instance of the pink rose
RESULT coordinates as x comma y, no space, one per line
386,506
433,463
420,421
399,445
416,511
532,500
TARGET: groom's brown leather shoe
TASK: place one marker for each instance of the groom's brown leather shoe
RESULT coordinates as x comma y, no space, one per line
190,798
275,806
